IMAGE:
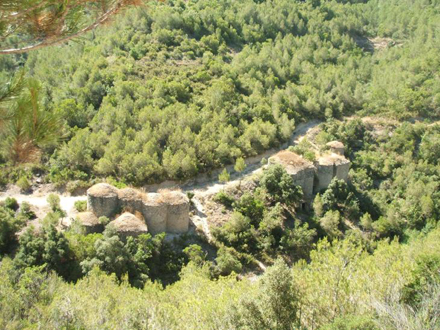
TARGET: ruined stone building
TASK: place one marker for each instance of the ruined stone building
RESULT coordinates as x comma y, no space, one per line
301,170
136,212
314,177
336,147
328,167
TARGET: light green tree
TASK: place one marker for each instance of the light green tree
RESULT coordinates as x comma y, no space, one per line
239,167
224,176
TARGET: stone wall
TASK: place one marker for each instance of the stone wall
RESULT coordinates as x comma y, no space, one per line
329,167
102,200
89,222
129,225
316,177
324,175
177,212
342,171
162,212
130,200
155,213
305,179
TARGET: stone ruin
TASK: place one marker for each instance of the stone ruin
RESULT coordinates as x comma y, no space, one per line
329,167
89,221
301,170
336,147
166,211
314,177
128,224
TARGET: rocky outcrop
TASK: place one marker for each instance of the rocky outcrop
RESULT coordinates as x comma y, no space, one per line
167,211
129,225
102,200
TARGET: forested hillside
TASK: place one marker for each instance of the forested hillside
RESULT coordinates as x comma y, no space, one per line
175,88
172,89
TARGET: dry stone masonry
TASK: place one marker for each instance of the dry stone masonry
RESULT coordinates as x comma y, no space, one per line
301,170
89,222
329,167
314,177
160,212
336,147
129,225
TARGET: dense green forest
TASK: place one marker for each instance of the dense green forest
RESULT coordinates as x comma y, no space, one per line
176,88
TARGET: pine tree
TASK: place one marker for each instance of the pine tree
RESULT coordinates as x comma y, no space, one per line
41,23
224,176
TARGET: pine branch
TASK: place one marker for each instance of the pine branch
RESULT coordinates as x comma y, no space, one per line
58,36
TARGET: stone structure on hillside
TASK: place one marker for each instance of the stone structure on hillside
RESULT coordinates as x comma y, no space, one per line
314,177
336,147
156,211
167,211
178,210
301,170
128,224
90,222
103,200
329,167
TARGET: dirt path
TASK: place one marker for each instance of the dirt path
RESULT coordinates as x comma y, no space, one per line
202,185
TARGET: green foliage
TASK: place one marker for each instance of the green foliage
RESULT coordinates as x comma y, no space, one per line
29,127
304,148
47,247
352,322
331,222
299,241
110,255
276,304
250,206
24,184
50,23
226,86
104,220
9,225
240,165
342,287
224,176
227,262
54,202
195,254
26,212
279,186
224,198
81,206
11,203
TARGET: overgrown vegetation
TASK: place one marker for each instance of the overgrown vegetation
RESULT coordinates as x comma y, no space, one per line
188,86
183,87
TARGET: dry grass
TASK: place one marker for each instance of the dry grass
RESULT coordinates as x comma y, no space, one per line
286,157
103,190
130,194
335,144
87,219
332,159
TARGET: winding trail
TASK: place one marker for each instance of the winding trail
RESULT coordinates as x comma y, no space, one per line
203,185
